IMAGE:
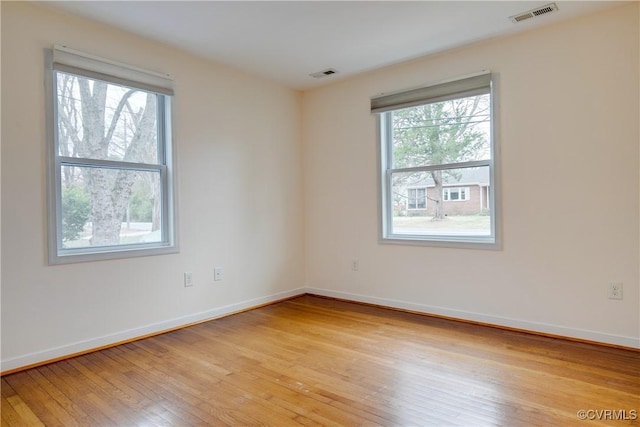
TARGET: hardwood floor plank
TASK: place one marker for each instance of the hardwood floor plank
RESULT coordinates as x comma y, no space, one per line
27,417
48,410
313,361
74,414
9,415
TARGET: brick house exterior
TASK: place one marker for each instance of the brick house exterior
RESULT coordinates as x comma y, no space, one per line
466,195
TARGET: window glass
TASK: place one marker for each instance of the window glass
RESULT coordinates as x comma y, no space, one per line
438,163
111,174
104,121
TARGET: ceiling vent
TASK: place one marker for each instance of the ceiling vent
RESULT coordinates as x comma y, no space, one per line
542,10
324,73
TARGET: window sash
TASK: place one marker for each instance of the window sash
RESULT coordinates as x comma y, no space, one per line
162,170
387,211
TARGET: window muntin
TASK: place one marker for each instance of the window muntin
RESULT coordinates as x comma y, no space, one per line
455,194
416,198
111,192
438,143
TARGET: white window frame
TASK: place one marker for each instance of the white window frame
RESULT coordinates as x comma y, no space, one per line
69,61
382,105
446,194
416,198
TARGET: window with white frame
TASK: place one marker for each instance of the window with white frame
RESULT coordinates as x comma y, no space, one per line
110,162
455,194
416,198
439,137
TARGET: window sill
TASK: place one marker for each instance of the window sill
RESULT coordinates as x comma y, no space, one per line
489,243
124,253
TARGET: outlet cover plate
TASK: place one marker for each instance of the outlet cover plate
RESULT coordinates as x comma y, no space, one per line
615,290
188,279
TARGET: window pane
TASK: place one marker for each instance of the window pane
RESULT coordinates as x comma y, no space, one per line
445,132
106,207
104,121
468,216
412,198
421,199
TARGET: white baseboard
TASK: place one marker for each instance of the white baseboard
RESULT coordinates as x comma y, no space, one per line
88,345
544,328
83,346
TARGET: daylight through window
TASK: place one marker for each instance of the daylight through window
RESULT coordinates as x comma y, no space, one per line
111,193
437,153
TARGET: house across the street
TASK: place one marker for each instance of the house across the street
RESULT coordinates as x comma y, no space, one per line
464,192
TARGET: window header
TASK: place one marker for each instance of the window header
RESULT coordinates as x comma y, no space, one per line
470,86
86,65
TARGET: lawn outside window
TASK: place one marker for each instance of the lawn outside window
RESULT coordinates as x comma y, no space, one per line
110,162
438,168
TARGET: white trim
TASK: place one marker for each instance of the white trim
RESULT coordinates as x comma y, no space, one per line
524,325
416,198
446,190
94,343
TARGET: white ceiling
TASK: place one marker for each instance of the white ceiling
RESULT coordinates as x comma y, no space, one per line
285,41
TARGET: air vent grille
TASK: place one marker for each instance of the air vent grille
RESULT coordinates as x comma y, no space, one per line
543,10
324,73
547,8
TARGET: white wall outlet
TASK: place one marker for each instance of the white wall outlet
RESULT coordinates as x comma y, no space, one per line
188,279
615,290
218,274
355,265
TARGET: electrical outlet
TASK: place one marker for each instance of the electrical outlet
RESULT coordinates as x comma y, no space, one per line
218,274
188,279
615,290
355,265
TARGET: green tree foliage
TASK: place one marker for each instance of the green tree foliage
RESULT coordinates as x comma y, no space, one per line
77,209
140,206
445,132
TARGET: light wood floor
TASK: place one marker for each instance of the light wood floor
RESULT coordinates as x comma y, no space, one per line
313,361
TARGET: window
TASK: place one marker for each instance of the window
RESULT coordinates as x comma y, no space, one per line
110,165
416,198
455,194
436,144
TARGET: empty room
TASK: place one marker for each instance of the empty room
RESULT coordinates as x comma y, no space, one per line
320,213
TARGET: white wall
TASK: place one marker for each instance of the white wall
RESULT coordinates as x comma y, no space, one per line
568,133
239,189
568,110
